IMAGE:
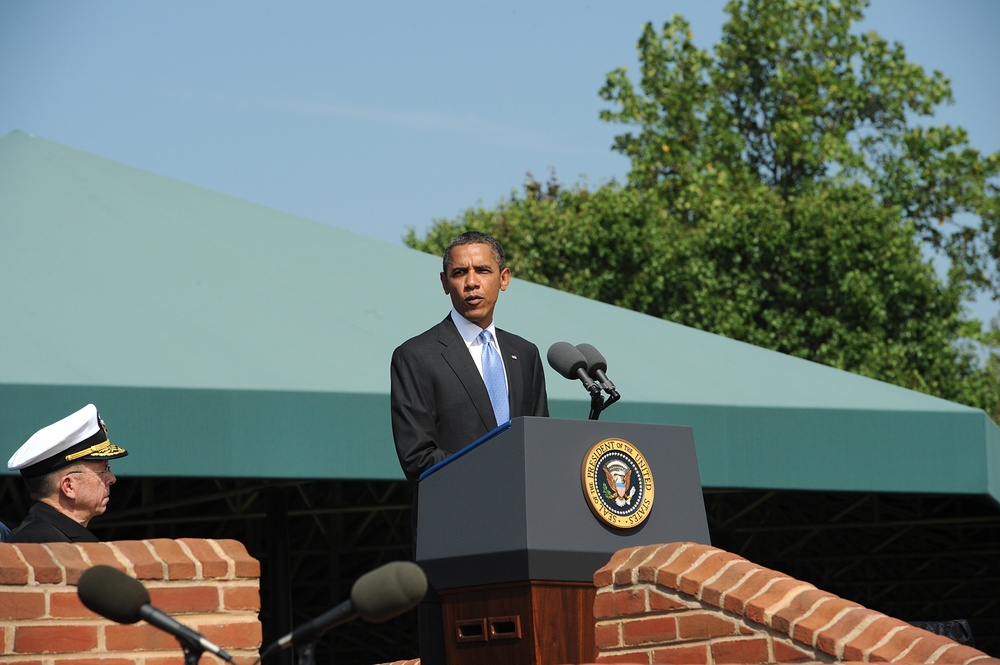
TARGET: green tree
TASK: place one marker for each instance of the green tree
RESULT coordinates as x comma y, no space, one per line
791,98
781,193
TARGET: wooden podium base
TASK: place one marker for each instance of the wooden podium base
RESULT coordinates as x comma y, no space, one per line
520,623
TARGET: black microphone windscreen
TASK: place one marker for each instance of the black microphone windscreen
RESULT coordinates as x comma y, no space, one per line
566,359
595,361
112,594
388,591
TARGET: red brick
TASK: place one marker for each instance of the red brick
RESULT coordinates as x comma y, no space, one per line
703,625
927,645
737,597
760,606
712,594
55,638
246,565
800,605
623,659
67,605
166,660
806,628
71,559
137,637
175,599
244,598
103,661
683,556
644,631
634,564
608,635
253,660
682,655
828,639
787,653
874,633
212,565
605,574
144,565
40,561
896,645
623,602
101,554
13,571
670,602
22,604
179,565
740,651
968,656
233,635
693,581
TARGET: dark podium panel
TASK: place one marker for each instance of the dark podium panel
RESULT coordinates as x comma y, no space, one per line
508,538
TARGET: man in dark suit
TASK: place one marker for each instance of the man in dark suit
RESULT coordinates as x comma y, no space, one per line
439,390
439,399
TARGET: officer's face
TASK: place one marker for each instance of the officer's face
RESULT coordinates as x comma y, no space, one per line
474,281
92,487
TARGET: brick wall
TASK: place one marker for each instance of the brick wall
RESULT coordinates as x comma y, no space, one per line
689,603
209,585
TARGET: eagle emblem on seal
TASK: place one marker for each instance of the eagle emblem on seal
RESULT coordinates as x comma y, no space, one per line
619,486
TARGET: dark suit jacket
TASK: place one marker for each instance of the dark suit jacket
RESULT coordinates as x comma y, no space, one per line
45,524
439,400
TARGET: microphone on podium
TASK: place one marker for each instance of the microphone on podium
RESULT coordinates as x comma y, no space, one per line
596,368
584,362
376,597
114,595
566,359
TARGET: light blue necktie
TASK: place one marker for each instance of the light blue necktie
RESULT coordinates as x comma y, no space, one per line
493,376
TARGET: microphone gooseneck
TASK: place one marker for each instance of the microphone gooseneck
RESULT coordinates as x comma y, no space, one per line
376,597
114,595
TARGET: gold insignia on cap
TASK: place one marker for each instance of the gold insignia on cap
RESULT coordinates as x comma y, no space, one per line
96,448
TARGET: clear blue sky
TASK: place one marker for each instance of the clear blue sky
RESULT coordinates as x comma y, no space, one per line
376,116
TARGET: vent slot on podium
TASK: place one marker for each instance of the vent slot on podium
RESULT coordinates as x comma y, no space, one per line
470,630
505,628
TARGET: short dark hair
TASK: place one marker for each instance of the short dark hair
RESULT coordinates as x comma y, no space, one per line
475,238
44,486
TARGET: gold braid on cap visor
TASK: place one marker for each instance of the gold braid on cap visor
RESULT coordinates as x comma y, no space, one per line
97,447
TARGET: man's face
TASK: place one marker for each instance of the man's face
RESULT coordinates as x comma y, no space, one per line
92,488
474,281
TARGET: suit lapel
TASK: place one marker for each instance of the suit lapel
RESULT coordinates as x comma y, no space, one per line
456,354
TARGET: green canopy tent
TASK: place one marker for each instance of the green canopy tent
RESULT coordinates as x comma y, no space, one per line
226,340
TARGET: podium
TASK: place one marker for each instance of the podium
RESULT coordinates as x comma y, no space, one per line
511,531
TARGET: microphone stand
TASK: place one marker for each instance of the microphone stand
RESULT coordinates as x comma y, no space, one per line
192,652
307,654
597,403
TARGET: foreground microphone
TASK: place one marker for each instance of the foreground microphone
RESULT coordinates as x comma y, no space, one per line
376,596
116,596
596,367
569,361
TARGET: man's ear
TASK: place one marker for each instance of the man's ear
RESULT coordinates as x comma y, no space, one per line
504,278
444,284
67,485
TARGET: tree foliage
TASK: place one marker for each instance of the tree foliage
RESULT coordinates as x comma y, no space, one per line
783,192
